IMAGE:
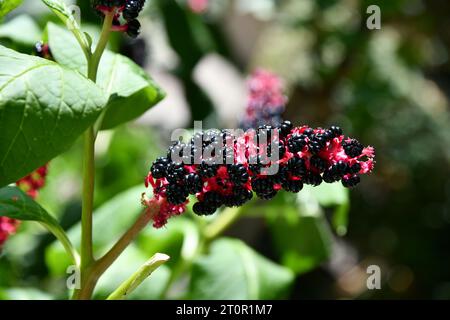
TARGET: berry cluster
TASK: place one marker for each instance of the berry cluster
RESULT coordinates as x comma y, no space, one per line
223,169
8,226
125,14
31,185
33,182
266,100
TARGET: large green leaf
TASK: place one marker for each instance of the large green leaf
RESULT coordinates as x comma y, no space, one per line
22,29
44,108
7,6
131,91
232,270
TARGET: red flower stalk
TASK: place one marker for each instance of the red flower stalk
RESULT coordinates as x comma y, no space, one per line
266,100
33,182
125,14
30,185
222,169
198,6
8,226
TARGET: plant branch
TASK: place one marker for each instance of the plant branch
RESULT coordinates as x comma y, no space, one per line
96,270
94,61
103,263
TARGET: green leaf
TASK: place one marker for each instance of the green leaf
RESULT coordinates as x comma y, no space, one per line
232,270
22,29
131,91
14,203
7,6
304,242
67,16
329,195
44,108
62,11
65,49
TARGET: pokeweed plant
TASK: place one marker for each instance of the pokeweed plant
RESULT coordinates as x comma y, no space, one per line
88,88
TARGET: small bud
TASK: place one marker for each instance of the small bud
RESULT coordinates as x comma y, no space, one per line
125,14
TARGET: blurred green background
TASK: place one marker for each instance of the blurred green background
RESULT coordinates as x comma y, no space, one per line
389,88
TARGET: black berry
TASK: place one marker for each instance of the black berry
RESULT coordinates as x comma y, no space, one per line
293,185
159,168
351,181
134,28
202,209
285,128
238,174
194,183
207,170
337,131
296,142
176,194
296,166
313,179
352,148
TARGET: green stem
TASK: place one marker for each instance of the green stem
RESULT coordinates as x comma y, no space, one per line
103,263
94,61
138,277
91,275
87,256
59,233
